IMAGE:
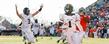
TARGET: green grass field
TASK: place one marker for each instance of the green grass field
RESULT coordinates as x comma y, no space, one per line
47,40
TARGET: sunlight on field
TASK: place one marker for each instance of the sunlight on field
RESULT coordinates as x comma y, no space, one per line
47,40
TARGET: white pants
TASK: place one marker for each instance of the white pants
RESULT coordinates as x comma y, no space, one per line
29,36
63,35
35,31
95,34
86,34
75,37
41,32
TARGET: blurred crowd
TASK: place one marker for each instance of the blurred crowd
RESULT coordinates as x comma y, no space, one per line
99,19
98,25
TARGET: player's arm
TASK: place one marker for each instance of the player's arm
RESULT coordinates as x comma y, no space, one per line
19,27
18,12
37,11
61,17
78,23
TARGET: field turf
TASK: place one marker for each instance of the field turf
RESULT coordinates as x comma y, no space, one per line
47,40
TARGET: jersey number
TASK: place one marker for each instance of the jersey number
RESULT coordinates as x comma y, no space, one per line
28,21
70,24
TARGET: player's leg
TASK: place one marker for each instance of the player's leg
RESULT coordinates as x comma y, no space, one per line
31,43
64,40
51,33
77,37
36,37
64,36
50,36
86,35
61,38
30,37
82,34
41,34
24,37
69,37
35,34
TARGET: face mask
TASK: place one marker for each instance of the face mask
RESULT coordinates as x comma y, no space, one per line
66,11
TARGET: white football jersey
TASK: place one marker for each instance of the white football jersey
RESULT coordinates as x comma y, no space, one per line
66,19
42,30
26,22
36,26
